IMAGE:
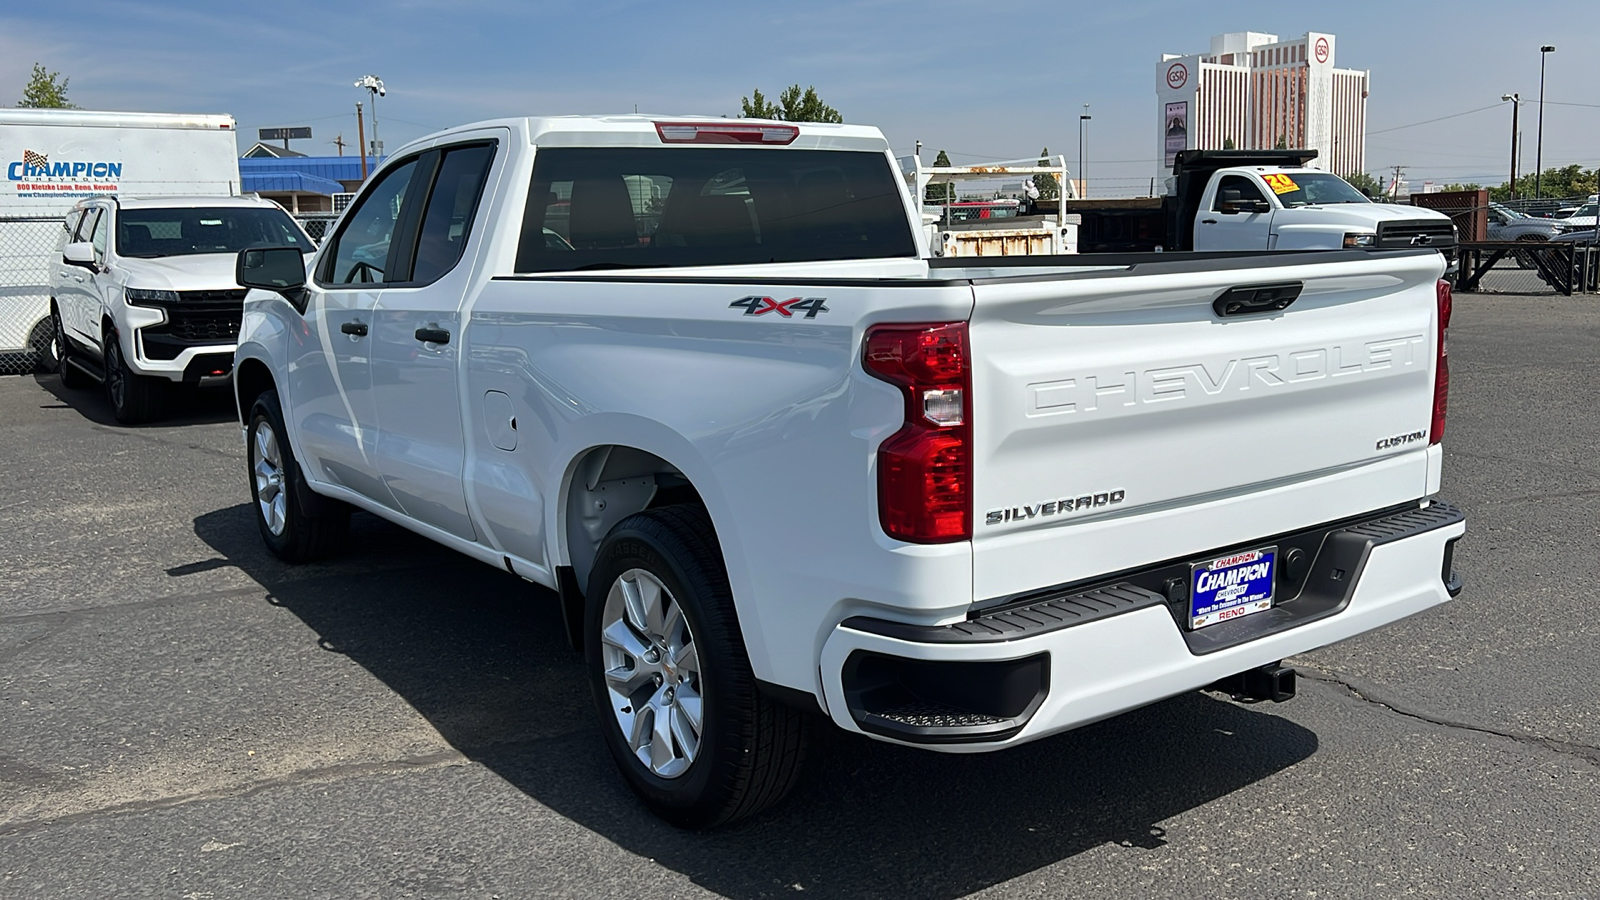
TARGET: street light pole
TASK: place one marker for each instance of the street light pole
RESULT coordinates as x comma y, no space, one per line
1538,153
374,86
1083,122
1516,100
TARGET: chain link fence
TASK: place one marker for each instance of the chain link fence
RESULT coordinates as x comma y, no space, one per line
1518,247
317,225
27,245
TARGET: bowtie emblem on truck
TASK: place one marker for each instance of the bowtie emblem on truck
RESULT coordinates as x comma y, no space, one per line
760,306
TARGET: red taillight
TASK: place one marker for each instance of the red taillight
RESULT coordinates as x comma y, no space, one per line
1441,377
725,133
925,468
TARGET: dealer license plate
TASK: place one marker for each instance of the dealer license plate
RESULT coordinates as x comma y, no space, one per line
1231,586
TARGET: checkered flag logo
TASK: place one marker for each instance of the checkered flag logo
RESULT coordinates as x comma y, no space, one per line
35,160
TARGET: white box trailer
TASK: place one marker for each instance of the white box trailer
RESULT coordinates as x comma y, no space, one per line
52,158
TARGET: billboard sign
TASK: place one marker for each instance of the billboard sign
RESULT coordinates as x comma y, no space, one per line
302,133
1176,130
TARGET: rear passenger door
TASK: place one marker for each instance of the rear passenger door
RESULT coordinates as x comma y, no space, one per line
417,336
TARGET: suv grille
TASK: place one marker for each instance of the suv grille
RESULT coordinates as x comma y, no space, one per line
197,319
1431,235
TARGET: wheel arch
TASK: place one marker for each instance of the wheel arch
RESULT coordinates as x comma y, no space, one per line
605,484
251,379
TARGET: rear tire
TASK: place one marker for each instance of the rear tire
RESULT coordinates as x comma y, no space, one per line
72,377
134,398
292,533
664,655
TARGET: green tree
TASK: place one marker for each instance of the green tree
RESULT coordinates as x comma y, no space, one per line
1227,144
1560,182
942,160
794,105
1049,187
1364,183
45,90
1283,142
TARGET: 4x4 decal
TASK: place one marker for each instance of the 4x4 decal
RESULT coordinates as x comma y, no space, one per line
760,306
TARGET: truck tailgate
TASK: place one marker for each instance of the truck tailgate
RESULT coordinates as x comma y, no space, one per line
1119,420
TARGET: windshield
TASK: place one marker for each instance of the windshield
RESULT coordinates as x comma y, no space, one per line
1507,211
1588,209
1307,188
153,233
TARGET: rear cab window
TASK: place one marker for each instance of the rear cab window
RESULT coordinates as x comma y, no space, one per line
623,207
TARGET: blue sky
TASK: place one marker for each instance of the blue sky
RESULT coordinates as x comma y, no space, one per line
981,80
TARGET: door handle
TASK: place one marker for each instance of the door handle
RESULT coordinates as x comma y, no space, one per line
358,329
1208,221
433,335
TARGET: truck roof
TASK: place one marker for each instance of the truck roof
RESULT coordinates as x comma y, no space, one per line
182,202
640,130
1211,160
101,119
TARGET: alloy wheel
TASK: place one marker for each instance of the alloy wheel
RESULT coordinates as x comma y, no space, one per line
266,465
652,673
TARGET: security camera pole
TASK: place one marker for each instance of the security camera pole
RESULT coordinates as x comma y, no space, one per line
374,86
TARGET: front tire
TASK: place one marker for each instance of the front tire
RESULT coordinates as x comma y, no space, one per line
134,398
289,530
679,707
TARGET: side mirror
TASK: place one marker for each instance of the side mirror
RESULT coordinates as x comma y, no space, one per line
81,254
1228,201
278,269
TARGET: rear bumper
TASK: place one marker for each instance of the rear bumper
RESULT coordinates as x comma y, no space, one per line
1072,658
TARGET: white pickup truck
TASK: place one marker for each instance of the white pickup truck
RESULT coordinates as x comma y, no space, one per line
700,377
1222,200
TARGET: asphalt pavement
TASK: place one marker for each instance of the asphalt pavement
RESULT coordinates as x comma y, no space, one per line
183,716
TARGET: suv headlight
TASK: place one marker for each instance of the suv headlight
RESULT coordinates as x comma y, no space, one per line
1359,239
138,295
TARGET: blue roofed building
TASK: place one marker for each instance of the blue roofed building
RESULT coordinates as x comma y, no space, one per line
303,184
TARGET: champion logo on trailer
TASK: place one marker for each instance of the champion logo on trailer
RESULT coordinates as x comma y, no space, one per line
35,165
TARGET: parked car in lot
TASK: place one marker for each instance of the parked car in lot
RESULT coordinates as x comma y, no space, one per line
143,292
1506,224
775,460
55,157
1582,219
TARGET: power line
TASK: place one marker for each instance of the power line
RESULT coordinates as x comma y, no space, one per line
1431,121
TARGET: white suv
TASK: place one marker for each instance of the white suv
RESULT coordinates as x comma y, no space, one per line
144,294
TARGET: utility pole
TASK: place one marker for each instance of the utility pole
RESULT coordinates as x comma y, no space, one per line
361,137
1516,100
1394,186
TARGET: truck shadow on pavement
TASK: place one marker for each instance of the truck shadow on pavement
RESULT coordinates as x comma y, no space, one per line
181,404
481,655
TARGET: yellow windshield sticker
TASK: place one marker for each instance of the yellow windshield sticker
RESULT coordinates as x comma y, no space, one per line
1281,184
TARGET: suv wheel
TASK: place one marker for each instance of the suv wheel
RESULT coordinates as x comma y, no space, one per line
290,531
679,707
134,398
72,377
